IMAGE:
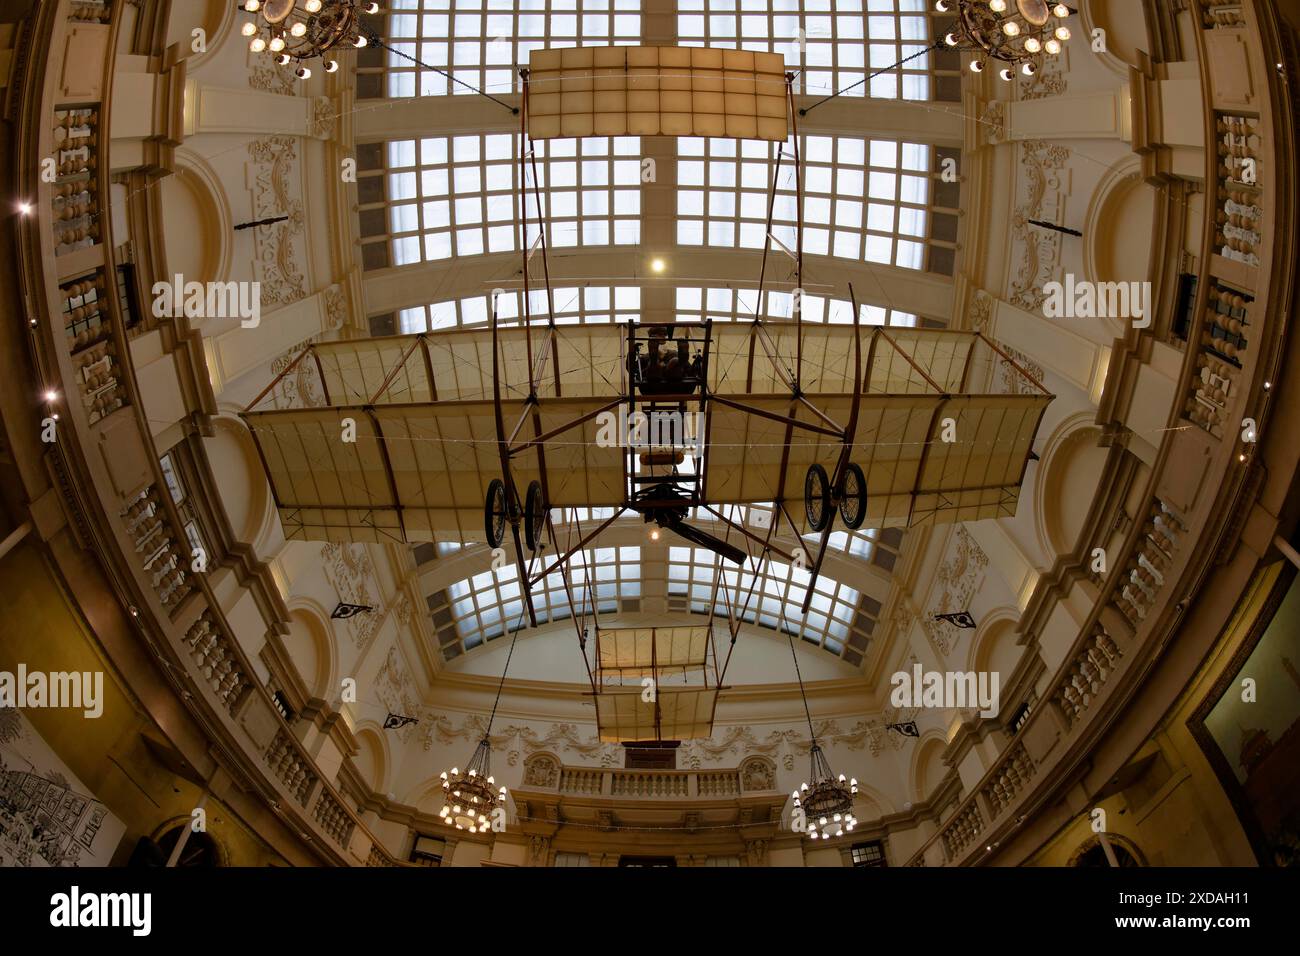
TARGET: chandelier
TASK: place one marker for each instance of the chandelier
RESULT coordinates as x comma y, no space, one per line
827,803
471,795
824,801
300,30
1018,33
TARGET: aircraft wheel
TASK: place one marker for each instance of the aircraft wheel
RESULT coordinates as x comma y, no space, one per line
817,497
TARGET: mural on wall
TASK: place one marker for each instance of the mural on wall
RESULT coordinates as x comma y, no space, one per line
1255,728
47,817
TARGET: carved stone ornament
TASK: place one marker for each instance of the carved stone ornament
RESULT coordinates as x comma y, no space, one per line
272,176
957,583
1039,250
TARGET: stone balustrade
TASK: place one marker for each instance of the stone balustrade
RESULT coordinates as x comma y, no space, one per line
646,784
215,660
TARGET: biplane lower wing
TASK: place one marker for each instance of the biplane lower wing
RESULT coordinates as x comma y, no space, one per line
418,471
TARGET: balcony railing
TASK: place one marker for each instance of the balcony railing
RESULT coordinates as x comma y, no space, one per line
645,784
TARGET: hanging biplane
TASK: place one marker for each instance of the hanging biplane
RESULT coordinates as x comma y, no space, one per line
468,434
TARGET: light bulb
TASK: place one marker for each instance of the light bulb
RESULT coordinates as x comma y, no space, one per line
359,41
822,821
950,39
1032,45
447,820
1062,33
1061,10
1052,46
331,66
1029,69
283,59
252,6
836,818
372,8
312,6
1010,28
998,6
473,773
1005,73
491,780
298,29
977,66
942,6
277,44
443,775
812,835
258,45
248,29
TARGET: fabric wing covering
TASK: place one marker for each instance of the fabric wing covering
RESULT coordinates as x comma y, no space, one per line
420,410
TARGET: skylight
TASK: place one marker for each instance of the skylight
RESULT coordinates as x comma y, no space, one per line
691,573
832,43
487,605
483,43
863,199
573,305
459,195
695,303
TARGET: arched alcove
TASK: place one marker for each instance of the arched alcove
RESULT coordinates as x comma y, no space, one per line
1070,473
928,769
310,650
371,758
994,649
233,458
1119,228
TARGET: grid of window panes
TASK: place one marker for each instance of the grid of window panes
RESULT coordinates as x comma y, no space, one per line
484,43
573,305
490,604
459,195
695,303
880,546
863,199
691,574
834,44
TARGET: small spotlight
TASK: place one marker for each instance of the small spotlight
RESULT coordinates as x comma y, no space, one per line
51,396
1267,385
25,208
658,265
654,534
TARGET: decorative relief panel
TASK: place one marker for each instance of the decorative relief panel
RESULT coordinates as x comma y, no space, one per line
272,172
957,583
396,691
349,570
1039,250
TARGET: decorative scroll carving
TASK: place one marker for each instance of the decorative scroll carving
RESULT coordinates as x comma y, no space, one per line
758,773
301,388
993,121
336,307
541,771
275,266
323,118
270,77
981,311
1049,80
